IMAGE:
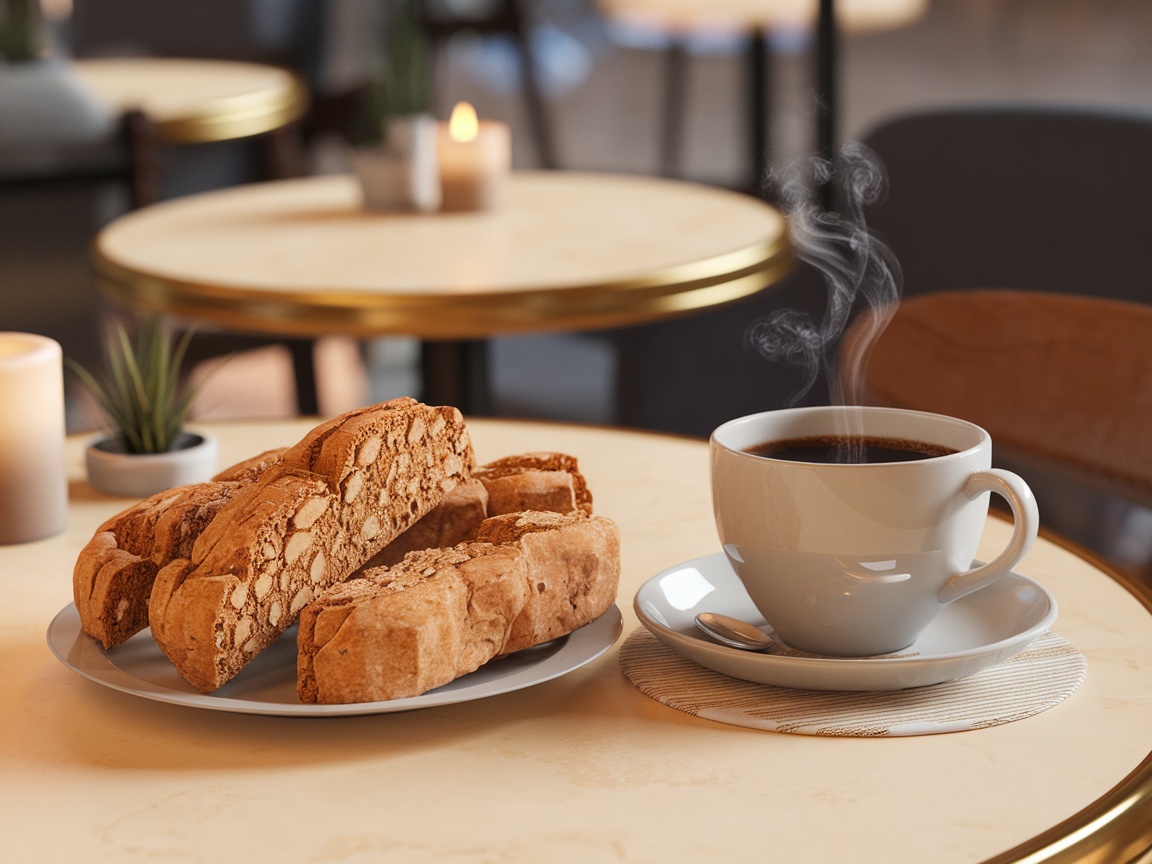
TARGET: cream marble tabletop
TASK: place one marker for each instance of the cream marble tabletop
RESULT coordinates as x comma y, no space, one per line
581,768
566,250
194,100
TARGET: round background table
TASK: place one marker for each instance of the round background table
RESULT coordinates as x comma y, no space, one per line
190,101
565,251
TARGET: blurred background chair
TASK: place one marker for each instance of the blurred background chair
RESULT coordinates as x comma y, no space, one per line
1062,382
283,33
1043,197
1026,197
46,283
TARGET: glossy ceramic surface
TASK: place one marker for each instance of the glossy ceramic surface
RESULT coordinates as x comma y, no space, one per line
857,559
977,631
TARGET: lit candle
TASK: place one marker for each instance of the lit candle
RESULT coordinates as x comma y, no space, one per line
33,482
475,158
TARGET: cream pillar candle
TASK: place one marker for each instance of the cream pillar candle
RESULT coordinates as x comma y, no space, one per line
475,158
33,483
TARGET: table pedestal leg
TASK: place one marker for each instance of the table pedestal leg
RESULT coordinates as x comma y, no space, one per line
304,371
456,373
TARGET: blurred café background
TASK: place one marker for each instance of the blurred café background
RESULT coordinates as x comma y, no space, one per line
611,86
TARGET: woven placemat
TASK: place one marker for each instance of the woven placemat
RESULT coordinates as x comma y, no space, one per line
1042,675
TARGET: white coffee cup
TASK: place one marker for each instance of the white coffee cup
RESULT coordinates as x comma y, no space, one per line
857,559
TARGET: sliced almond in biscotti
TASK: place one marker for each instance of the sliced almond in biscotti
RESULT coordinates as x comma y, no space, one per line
113,576
331,502
441,613
454,520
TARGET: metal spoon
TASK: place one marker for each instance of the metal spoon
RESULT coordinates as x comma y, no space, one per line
733,632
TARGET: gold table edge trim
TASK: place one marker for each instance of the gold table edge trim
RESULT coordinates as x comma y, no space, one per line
677,290
1115,828
240,116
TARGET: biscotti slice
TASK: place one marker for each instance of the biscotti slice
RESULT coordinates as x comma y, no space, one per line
441,613
574,564
454,520
330,503
113,575
532,481
535,481
407,629
114,572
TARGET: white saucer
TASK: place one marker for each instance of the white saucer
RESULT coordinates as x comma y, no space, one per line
972,633
268,684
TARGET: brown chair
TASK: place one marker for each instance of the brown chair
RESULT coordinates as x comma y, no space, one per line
1062,382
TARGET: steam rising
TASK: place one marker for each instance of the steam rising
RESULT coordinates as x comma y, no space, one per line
859,271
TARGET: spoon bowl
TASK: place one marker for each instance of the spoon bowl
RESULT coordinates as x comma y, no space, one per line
733,632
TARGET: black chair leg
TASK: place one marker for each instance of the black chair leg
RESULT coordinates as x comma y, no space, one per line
533,95
675,91
304,371
456,373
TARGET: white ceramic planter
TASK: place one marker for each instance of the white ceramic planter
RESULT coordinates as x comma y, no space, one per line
404,173
134,475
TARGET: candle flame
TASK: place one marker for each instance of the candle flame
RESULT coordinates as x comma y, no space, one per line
463,125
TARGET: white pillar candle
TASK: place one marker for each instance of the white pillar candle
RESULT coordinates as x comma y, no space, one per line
475,158
33,481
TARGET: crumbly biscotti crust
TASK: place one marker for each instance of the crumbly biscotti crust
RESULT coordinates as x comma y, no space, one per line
330,503
574,564
535,481
441,613
251,469
445,613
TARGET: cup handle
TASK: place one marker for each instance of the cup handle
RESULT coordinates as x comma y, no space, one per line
1027,523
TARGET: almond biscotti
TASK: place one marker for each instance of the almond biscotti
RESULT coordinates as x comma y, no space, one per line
113,576
329,504
441,613
530,481
535,481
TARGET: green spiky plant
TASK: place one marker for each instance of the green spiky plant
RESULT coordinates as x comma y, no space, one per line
401,81
20,37
140,389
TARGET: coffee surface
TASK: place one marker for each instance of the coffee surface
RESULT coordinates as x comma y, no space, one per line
851,450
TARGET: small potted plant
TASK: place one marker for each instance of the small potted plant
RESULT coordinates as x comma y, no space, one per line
148,449
20,36
395,132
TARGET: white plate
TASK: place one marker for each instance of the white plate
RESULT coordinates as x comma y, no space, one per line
268,684
972,633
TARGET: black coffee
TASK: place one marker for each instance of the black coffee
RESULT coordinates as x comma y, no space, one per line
854,450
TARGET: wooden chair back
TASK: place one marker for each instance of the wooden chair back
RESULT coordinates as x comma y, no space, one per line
1062,382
